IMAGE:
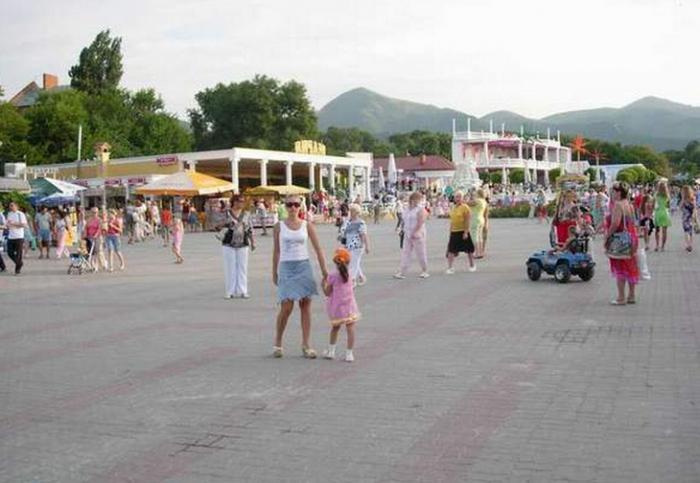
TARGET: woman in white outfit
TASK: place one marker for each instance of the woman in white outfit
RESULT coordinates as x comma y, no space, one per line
353,235
236,244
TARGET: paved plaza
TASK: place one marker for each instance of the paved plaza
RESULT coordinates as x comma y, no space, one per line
150,375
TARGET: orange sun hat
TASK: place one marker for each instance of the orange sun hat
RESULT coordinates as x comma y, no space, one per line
341,255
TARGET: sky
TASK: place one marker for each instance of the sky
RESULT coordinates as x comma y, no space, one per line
534,57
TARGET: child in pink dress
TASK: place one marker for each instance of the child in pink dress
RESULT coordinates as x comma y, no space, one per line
341,305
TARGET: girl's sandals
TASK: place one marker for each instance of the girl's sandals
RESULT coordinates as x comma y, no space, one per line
308,353
277,352
617,302
631,301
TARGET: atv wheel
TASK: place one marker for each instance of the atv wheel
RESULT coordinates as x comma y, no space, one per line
534,271
562,274
587,274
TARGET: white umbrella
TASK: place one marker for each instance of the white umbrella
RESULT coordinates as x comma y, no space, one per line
391,169
381,179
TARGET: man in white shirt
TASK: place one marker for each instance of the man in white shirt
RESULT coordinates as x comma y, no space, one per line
16,223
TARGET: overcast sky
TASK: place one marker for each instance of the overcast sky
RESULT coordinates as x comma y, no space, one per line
535,57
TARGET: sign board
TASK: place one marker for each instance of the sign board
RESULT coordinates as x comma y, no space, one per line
113,182
166,160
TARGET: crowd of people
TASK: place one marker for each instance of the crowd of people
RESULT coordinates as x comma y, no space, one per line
624,217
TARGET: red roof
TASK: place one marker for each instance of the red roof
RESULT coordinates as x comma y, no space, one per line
417,163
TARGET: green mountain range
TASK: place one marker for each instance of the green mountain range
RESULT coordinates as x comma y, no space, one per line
660,123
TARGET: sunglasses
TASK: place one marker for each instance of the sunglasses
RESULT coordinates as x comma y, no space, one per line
293,204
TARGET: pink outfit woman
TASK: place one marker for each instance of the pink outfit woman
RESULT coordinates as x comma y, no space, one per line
341,305
177,232
413,245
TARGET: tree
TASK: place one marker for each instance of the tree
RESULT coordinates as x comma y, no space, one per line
423,142
99,67
14,128
53,125
579,147
340,140
258,113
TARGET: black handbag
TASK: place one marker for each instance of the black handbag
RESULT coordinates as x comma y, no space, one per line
228,237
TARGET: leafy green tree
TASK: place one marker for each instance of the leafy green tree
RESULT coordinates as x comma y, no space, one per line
423,142
259,113
99,66
340,140
14,128
53,125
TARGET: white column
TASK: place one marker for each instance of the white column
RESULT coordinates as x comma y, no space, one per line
368,189
558,154
234,173
504,176
351,182
331,176
312,176
546,178
320,178
263,172
520,150
288,173
192,165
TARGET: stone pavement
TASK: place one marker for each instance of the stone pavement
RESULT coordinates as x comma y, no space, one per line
150,375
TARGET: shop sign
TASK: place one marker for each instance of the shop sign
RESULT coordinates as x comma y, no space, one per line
113,182
133,181
167,160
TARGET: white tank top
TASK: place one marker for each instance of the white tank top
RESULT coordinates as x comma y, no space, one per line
293,243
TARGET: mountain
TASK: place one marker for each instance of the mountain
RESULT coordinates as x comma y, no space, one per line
658,122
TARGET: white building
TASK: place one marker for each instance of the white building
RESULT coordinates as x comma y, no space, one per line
504,151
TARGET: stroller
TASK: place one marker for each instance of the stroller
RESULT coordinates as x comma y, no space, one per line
80,260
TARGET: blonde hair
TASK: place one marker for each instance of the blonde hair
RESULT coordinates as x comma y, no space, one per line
458,193
687,193
480,193
355,208
662,188
415,197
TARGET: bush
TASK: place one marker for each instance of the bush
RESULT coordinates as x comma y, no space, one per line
521,210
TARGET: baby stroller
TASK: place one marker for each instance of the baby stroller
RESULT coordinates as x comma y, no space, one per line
80,260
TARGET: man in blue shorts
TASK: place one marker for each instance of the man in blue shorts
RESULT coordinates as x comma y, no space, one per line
42,226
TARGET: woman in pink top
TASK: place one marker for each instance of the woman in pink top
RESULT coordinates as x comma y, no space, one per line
114,243
92,234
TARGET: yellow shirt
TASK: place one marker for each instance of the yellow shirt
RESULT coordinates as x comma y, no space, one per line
457,215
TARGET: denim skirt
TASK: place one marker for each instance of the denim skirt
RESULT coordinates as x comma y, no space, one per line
295,280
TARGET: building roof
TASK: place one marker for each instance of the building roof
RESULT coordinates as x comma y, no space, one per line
431,162
14,184
28,96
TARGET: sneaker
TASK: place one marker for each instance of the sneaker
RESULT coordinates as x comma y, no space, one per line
328,354
227,297
349,357
424,275
245,296
399,276
277,352
646,276
472,268
450,271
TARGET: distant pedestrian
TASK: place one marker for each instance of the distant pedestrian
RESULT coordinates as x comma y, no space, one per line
62,228
623,267
166,220
3,226
353,236
478,208
42,227
460,240
113,240
16,222
662,216
689,216
341,305
414,217
177,232
236,245
261,212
